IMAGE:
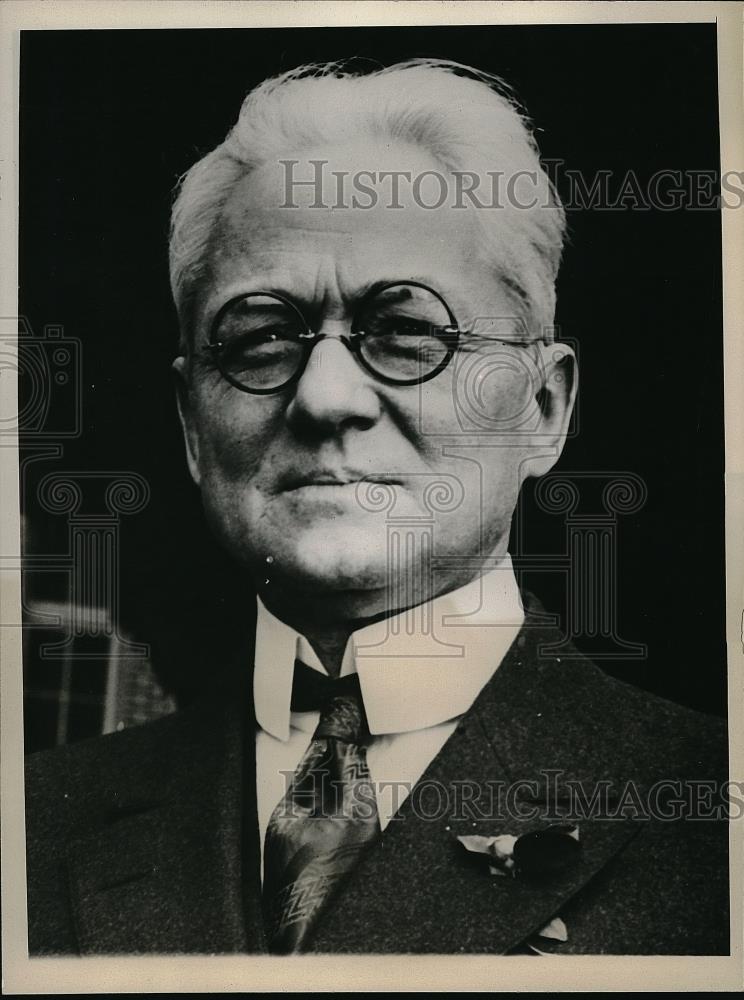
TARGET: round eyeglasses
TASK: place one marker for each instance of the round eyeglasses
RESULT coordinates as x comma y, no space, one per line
403,333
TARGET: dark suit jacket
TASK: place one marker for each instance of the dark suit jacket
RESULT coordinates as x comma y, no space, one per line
146,840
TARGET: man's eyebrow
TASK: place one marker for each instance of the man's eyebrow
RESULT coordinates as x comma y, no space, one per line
314,302
361,292
372,288
421,279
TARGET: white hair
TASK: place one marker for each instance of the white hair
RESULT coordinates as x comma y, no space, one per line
465,118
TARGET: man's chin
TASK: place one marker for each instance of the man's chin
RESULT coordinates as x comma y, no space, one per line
329,560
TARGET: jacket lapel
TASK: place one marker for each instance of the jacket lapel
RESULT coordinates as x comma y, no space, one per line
160,868
170,858
501,771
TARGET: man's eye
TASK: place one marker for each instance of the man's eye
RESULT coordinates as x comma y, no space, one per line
260,349
401,344
404,346
399,326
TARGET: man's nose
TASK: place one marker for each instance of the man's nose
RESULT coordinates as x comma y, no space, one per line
334,392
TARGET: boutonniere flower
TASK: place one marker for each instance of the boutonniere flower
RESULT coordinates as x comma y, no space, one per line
536,856
533,857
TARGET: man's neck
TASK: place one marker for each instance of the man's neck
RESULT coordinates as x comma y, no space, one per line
330,647
328,633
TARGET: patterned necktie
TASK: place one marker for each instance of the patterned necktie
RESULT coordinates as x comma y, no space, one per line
327,817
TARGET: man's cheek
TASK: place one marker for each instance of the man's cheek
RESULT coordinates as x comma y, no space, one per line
236,450
511,402
487,395
234,514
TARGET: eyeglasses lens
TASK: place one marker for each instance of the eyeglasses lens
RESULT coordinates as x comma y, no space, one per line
401,330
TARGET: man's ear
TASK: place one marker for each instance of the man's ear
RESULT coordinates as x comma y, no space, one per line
556,399
186,413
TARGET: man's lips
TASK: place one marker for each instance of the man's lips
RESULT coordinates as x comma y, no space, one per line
296,481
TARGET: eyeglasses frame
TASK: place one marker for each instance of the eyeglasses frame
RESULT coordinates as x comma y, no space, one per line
353,341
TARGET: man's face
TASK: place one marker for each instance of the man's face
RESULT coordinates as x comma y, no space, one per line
280,474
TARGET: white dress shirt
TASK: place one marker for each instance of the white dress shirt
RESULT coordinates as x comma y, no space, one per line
419,671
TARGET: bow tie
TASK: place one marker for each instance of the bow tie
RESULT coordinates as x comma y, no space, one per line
312,691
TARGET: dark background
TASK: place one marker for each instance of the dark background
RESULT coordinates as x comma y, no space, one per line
110,119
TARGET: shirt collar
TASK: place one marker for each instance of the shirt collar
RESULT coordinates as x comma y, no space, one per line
416,669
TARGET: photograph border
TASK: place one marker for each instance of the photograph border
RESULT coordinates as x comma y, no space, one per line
249,973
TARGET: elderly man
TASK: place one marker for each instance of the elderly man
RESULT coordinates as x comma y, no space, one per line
364,275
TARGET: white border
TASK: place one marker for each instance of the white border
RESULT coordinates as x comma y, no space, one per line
323,973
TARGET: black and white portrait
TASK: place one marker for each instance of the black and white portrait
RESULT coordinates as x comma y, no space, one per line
371,471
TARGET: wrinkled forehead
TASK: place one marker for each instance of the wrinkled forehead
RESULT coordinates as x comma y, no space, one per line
355,188
346,216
